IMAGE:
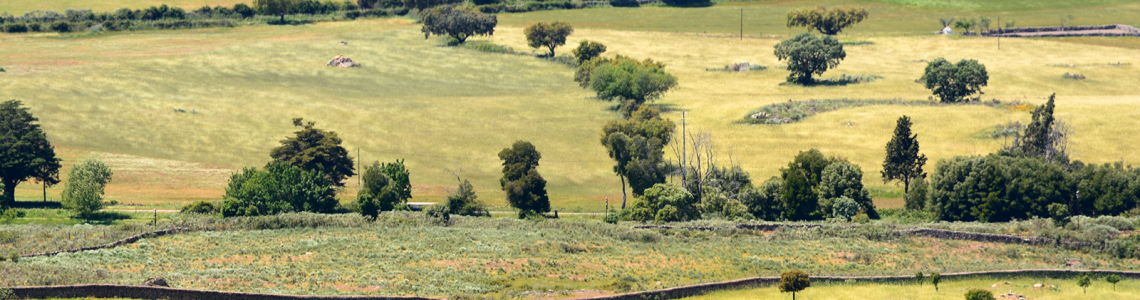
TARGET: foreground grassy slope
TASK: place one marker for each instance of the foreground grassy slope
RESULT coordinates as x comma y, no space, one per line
442,108
948,289
401,254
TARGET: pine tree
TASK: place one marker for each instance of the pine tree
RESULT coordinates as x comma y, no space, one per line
903,161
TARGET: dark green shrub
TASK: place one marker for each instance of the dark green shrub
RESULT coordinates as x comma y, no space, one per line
61,26
464,202
244,10
996,188
277,189
36,27
438,214
485,2
665,203
688,3
624,3
200,207
15,28
979,294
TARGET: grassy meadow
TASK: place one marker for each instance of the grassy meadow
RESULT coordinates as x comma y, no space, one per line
948,289
442,109
403,254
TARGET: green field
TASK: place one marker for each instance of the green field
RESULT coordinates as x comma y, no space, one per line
114,96
948,289
404,254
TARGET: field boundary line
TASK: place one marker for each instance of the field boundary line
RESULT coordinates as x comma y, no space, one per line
155,292
705,288
114,244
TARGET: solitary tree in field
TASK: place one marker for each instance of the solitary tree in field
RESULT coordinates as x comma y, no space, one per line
378,191
979,294
808,54
918,277
548,35
953,82
458,22
794,281
636,146
935,278
314,149
274,7
83,192
966,24
526,190
1084,282
25,152
903,162
1113,279
627,80
588,50
826,21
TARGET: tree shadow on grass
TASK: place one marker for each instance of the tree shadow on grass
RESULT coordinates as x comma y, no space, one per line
104,217
290,22
37,204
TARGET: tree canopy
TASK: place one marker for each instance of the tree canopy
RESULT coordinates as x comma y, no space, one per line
83,192
953,82
548,35
665,203
525,188
842,179
630,81
274,7
808,54
588,50
903,162
279,188
25,152
826,21
794,281
636,146
378,191
426,4
457,22
314,149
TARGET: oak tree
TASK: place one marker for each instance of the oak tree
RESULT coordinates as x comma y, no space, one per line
548,35
808,54
826,21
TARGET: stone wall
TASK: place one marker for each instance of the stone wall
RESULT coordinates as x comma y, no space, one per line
148,292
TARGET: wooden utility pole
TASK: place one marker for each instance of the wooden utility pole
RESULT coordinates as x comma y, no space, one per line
360,172
741,24
684,154
999,33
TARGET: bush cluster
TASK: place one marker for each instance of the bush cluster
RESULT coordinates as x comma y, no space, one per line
278,188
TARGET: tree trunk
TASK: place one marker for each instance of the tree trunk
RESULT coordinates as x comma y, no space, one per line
552,52
906,186
793,295
282,19
622,192
9,194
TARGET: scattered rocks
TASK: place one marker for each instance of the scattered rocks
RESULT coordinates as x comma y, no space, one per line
157,281
343,62
343,43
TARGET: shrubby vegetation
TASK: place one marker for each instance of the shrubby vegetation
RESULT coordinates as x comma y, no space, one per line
379,190
808,54
588,50
83,191
279,188
168,17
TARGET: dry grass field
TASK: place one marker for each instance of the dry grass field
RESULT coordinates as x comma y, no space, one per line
114,95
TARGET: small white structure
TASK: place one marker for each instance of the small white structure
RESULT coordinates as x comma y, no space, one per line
947,31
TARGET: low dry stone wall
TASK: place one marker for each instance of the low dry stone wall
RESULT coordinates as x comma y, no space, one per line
148,292
121,242
1124,30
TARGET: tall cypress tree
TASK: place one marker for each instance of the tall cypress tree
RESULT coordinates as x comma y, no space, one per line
1037,141
903,161
25,152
